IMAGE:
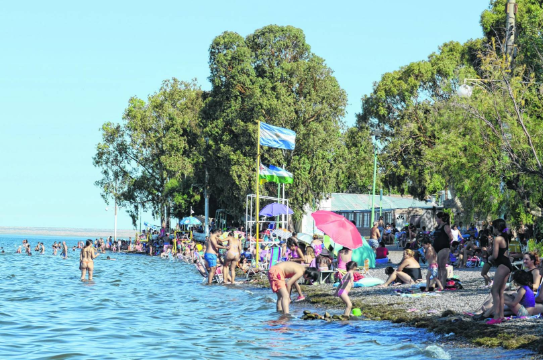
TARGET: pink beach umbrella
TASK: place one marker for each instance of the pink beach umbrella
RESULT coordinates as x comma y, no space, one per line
339,228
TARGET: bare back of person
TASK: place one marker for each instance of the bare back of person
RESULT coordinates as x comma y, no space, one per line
231,259
374,233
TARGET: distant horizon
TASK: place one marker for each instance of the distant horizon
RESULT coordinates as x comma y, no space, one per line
65,231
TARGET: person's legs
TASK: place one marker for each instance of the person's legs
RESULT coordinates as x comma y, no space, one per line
233,271
390,280
83,274
283,300
211,275
500,280
406,279
484,273
348,305
226,271
90,274
442,258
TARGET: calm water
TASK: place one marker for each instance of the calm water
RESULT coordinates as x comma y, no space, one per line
141,307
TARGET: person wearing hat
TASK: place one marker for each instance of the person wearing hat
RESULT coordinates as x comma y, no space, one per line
324,260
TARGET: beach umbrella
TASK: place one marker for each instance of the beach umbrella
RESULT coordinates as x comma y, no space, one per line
275,209
339,228
305,238
282,233
191,220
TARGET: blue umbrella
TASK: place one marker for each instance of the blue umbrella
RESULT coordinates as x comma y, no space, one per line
275,209
191,220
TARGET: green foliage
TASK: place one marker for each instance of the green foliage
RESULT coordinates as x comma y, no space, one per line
534,246
272,76
149,157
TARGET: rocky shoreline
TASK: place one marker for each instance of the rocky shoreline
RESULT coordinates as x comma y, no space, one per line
441,313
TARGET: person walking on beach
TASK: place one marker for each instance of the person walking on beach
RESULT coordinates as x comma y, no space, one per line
345,286
431,257
442,242
86,260
210,256
231,258
288,270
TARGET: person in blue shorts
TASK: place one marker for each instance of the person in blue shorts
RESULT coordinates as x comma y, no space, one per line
210,255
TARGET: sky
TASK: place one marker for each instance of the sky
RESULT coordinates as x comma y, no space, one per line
68,67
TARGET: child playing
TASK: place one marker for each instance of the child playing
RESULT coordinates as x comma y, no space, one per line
431,257
288,270
524,302
345,286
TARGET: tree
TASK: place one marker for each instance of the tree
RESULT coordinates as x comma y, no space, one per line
154,152
272,76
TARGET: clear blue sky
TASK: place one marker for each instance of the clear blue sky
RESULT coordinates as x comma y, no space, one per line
67,67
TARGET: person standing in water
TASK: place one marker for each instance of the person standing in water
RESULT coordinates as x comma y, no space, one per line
210,256
288,270
231,258
64,252
86,260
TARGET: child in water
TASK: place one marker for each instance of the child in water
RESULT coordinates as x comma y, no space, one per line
345,286
278,274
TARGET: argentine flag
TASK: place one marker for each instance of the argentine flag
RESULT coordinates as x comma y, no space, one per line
276,137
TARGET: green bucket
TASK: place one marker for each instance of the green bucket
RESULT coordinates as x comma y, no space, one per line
357,312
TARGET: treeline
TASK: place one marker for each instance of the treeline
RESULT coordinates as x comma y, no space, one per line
157,158
485,149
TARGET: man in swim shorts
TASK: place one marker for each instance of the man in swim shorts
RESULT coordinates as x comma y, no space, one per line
375,234
210,256
288,270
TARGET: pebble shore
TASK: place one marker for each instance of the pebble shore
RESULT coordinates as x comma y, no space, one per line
442,313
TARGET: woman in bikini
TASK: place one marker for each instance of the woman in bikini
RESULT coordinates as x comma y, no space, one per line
408,271
231,258
503,269
86,260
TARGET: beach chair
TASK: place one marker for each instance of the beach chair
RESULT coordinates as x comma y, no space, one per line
264,266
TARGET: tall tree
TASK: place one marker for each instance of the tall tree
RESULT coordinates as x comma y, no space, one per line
153,151
272,76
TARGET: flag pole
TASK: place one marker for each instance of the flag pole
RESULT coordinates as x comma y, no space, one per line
257,201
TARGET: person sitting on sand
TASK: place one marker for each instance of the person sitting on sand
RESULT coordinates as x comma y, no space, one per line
381,252
467,251
309,257
288,270
524,302
431,258
345,286
408,271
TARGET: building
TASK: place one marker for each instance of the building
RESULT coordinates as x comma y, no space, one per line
395,209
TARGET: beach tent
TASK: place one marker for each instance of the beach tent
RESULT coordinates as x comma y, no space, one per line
359,255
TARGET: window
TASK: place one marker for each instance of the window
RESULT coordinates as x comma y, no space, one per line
367,219
388,218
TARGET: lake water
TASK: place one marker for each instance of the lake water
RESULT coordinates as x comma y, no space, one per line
140,307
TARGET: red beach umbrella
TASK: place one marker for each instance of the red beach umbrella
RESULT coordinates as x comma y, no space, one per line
340,229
